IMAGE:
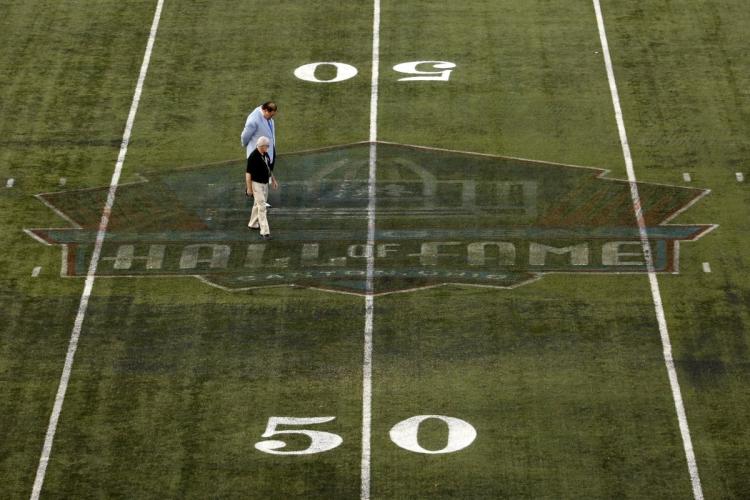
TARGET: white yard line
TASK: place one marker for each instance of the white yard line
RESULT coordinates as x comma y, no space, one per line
375,74
83,305
655,292
369,297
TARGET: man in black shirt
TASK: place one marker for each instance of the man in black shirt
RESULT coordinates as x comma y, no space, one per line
258,175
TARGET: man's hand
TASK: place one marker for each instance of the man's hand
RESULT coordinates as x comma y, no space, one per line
274,184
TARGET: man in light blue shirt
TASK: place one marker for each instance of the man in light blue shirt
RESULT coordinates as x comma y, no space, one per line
259,124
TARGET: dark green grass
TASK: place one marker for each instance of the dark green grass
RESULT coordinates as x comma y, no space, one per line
68,77
167,402
558,389
556,109
682,67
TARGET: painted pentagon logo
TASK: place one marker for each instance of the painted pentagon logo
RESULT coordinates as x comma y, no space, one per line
441,217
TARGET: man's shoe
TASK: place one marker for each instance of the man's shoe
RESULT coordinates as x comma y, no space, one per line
265,236
268,205
253,227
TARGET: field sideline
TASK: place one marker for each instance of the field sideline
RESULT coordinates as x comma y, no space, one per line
507,323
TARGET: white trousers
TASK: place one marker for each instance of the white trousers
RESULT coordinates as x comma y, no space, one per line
258,217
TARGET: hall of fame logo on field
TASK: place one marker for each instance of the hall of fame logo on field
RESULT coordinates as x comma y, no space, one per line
441,217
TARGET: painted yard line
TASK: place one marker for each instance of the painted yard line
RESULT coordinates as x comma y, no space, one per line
706,267
10,182
36,271
369,297
740,176
655,292
375,72
686,177
83,305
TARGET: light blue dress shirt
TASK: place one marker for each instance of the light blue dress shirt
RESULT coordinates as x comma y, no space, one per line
256,126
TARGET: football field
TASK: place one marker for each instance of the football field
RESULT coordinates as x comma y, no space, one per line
509,254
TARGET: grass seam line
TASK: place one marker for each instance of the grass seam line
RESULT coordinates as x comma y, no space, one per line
653,281
88,286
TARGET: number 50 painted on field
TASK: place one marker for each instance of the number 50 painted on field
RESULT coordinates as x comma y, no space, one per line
404,434
346,71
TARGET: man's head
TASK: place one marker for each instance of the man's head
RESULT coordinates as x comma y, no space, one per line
268,109
263,144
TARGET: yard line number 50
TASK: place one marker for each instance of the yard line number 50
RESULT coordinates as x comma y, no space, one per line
404,434
441,71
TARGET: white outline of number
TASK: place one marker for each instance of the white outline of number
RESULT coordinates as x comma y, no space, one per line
460,434
321,441
344,71
410,68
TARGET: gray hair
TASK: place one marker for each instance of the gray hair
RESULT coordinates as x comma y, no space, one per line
263,141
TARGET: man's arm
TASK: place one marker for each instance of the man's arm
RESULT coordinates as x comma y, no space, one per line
271,178
248,184
251,125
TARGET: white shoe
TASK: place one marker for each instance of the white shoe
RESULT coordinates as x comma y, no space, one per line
268,205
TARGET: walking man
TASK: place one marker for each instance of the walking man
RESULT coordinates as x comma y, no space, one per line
257,177
260,123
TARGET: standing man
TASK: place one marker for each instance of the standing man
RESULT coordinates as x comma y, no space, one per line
258,174
260,123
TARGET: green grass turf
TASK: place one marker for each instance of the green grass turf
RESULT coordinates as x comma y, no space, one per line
563,379
181,398
682,71
556,388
